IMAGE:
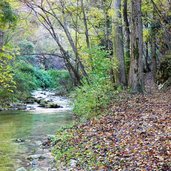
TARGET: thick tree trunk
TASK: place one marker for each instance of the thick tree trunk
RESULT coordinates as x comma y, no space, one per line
136,76
118,45
127,29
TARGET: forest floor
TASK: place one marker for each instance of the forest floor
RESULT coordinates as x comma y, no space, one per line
134,135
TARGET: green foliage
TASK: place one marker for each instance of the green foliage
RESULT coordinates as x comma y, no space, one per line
146,35
60,80
92,97
43,78
7,15
89,99
7,83
26,47
25,79
99,62
28,78
164,71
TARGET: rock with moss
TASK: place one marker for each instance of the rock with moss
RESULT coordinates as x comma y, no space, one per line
48,104
43,103
30,100
52,105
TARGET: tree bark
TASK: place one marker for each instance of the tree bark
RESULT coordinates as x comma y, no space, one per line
107,22
127,31
118,45
153,57
136,76
1,39
146,56
85,24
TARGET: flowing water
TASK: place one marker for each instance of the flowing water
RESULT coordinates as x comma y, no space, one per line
32,127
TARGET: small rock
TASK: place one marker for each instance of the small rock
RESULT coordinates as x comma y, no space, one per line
42,103
46,143
52,105
1,109
38,100
36,169
21,169
41,158
53,169
36,156
73,163
39,143
34,163
19,140
30,158
30,100
18,106
31,108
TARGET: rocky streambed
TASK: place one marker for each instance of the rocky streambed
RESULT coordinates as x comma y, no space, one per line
27,136
41,100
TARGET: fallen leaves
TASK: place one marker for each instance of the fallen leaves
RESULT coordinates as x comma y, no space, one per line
136,135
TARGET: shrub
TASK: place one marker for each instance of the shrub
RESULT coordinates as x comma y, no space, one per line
95,95
29,78
7,83
60,80
25,80
90,99
43,78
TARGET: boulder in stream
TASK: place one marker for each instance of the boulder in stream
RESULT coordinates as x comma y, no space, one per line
52,105
1,109
19,140
42,102
48,104
36,157
18,106
30,100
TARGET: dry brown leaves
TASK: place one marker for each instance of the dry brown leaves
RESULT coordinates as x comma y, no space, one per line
135,135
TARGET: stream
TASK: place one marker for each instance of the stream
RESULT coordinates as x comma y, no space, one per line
22,134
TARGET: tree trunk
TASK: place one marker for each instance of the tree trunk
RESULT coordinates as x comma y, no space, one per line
68,35
127,31
153,58
85,24
136,76
118,47
107,29
1,39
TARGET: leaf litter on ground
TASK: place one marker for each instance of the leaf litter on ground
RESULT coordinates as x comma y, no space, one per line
134,135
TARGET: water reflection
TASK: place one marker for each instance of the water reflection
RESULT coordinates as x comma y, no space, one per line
29,126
